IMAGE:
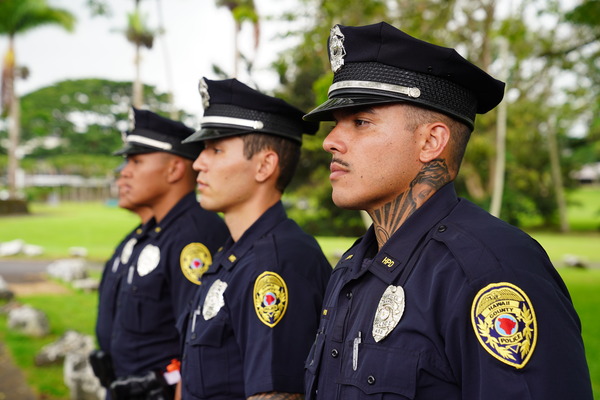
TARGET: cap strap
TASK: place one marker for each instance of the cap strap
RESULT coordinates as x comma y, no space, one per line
248,123
409,91
149,142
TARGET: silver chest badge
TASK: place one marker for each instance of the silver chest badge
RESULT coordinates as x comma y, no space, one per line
127,250
203,90
214,300
389,312
336,48
148,260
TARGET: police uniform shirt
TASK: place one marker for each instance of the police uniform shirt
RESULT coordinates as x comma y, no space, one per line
483,315
254,318
159,284
111,278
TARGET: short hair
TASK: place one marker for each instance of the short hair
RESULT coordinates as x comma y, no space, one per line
287,150
459,132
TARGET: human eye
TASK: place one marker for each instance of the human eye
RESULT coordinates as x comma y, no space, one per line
360,122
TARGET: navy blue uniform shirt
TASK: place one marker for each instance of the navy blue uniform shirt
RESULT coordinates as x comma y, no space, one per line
110,281
159,284
254,318
482,315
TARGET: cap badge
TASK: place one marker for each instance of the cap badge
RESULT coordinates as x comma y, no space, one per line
127,250
148,260
131,119
203,90
214,300
505,323
336,48
270,298
194,261
389,312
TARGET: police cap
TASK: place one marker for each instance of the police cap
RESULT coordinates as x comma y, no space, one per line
152,132
377,64
232,108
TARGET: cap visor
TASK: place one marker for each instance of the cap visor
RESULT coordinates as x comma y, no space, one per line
211,133
129,149
324,111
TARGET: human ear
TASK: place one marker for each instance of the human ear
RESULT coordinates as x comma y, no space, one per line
268,162
436,137
175,169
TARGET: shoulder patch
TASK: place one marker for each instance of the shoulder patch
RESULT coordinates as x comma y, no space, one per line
195,260
504,322
270,298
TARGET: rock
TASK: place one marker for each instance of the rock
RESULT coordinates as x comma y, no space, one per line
68,270
5,292
32,250
574,261
29,321
11,248
80,379
78,251
88,284
70,342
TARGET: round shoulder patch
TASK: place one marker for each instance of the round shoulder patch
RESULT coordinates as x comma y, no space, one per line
504,323
195,260
270,298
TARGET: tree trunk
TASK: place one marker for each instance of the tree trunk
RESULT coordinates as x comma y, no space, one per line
14,126
557,176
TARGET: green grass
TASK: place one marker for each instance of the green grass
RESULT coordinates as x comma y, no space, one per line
95,226
73,311
584,209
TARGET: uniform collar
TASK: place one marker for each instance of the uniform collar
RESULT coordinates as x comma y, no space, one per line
187,201
389,262
234,251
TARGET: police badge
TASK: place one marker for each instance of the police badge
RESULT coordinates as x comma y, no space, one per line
203,90
148,260
214,300
270,298
504,323
389,312
194,261
127,250
336,48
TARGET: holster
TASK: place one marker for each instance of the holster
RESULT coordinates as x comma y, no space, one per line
150,386
101,363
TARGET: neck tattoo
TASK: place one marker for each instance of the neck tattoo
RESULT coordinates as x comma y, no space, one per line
391,216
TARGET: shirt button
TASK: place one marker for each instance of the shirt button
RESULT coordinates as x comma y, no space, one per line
442,228
193,336
348,295
334,353
371,380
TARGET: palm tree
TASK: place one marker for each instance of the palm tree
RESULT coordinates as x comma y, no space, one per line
140,35
242,10
17,17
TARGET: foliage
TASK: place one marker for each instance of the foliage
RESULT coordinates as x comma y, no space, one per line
74,126
534,66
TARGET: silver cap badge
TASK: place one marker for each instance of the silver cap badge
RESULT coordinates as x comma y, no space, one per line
389,312
336,48
203,90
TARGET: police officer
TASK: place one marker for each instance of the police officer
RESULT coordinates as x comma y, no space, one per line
164,274
109,284
256,313
438,300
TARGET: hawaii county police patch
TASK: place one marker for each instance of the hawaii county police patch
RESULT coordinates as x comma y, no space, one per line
195,260
504,322
270,298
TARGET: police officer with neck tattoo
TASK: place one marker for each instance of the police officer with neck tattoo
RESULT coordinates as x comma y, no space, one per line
251,325
165,268
439,299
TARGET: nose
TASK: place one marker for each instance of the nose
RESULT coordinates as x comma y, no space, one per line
199,164
125,171
333,142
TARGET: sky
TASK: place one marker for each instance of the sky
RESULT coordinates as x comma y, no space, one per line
197,35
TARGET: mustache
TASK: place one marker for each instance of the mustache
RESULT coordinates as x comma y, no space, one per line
340,162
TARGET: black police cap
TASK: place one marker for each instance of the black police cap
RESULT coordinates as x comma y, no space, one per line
232,108
378,64
152,132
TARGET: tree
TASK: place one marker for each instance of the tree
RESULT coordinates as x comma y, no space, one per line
17,17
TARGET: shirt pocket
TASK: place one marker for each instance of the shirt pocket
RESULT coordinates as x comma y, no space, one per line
381,373
144,306
205,366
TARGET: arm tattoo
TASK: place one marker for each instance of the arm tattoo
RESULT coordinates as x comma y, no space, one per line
392,215
277,396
